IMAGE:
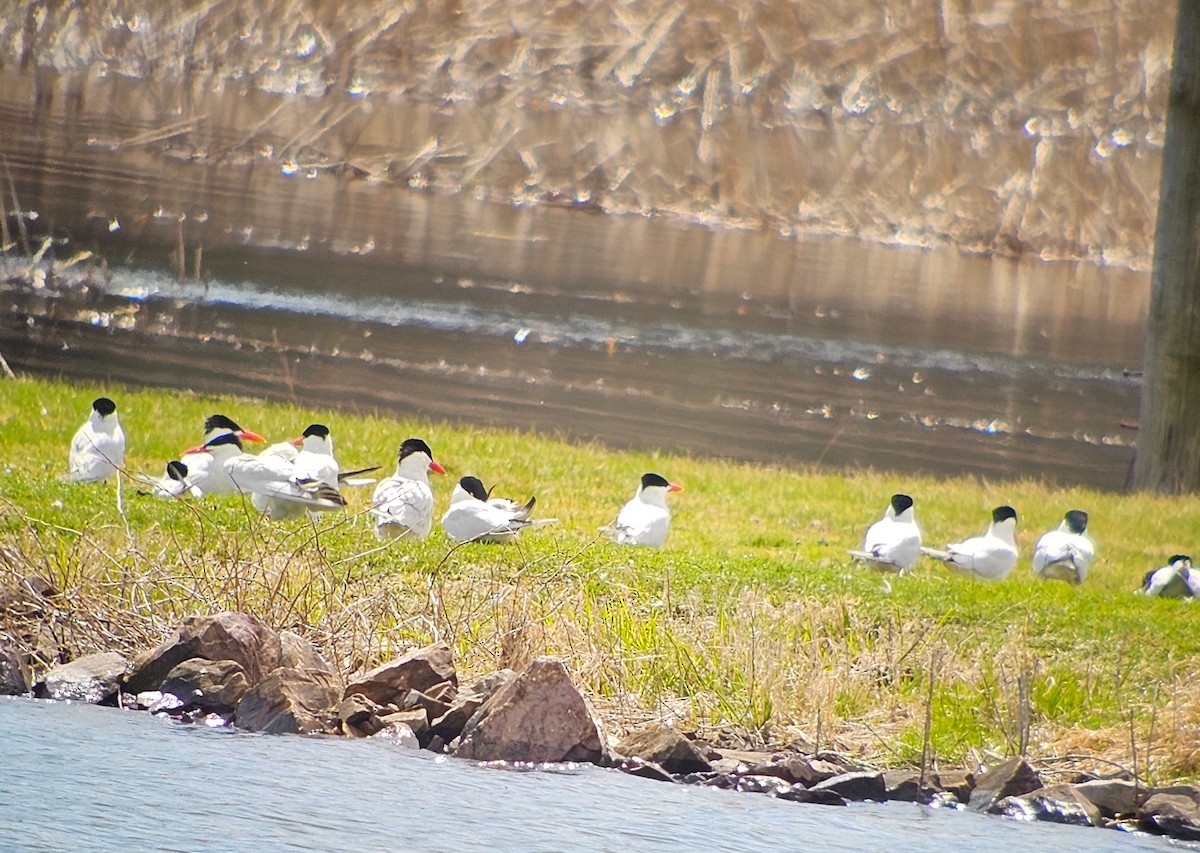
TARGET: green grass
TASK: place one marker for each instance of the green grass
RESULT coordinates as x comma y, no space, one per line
752,619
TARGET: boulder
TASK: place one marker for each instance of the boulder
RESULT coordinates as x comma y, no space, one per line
466,702
92,678
421,670
1012,778
226,636
358,716
415,719
435,704
298,653
959,783
398,734
906,785
1176,815
290,701
666,747
795,770
751,784
538,716
817,796
645,769
1114,797
856,785
213,687
15,678
738,760
1060,803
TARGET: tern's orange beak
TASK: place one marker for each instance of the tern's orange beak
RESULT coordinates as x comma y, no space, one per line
436,468
199,448
674,487
299,442
246,435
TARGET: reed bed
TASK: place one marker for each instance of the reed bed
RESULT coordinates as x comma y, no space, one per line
752,625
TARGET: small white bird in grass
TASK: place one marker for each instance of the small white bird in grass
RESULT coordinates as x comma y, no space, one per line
98,448
988,557
892,544
1065,554
403,503
645,519
276,478
311,457
175,484
475,516
1177,579
206,466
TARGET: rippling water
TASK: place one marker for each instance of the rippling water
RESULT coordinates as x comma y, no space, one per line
79,777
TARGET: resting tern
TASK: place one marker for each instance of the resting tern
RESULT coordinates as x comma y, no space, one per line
645,519
98,448
311,457
206,466
475,516
402,505
1065,553
175,484
1177,579
892,544
987,557
275,477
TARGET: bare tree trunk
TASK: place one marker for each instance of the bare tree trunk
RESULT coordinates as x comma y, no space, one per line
1168,449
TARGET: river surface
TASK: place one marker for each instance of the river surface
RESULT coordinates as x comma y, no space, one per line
250,276
80,777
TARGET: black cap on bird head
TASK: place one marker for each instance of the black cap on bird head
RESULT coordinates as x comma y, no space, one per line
220,422
1003,513
1076,520
900,503
1175,558
223,439
316,429
414,445
473,486
649,480
176,470
103,406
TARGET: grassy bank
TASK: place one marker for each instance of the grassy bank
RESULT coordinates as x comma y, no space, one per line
751,620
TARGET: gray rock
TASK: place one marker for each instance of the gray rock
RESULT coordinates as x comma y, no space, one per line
958,783
92,678
213,687
298,653
906,785
667,747
433,703
466,702
1060,803
1012,778
358,716
398,734
421,670
290,701
1176,815
416,719
15,678
817,796
856,785
226,636
538,716
645,769
795,770
751,784
1114,797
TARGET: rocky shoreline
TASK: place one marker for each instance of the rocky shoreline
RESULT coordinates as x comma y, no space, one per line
231,669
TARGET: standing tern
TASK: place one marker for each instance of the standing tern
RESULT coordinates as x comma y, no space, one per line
98,448
987,557
892,544
1065,553
402,505
645,519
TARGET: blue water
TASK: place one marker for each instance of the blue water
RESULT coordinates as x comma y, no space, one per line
79,777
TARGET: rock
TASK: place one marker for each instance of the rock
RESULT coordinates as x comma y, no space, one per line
751,784
645,769
226,636
15,678
358,716
739,760
795,770
398,734
856,785
1060,803
959,783
421,670
1009,779
906,785
214,687
1176,815
433,706
416,719
298,653
290,701
466,702
818,796
1114,797
538,716
92,678
28,600
667,747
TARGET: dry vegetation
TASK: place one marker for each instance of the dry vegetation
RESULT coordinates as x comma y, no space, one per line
1029,127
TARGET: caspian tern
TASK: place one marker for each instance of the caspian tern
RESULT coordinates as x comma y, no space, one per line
214,425
206,463
475,516
645,519
277,479
1177,579
987,557
402,505
1065,553
892,544
98,448
176,483
311,457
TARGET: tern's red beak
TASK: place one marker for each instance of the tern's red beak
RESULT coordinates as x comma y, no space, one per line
199,448
436,468
246,435
674,487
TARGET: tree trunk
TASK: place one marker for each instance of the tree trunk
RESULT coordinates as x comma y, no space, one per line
1168,448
